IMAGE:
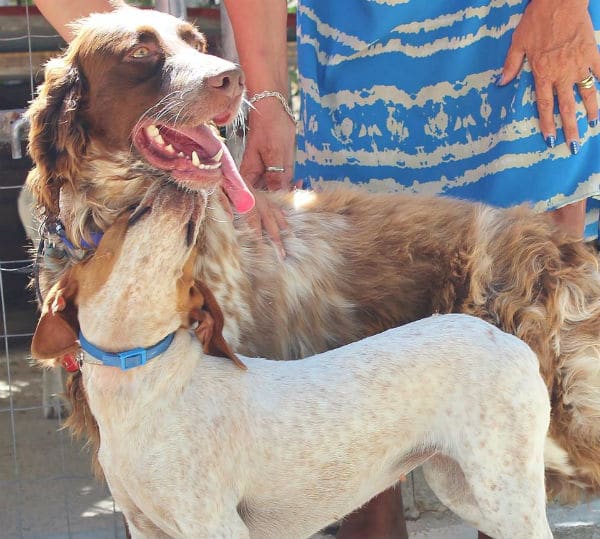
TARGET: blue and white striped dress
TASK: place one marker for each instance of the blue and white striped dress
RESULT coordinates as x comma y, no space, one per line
402,95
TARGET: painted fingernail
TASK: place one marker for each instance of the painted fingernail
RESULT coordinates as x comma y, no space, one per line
550,141
499,80
574,147
593,123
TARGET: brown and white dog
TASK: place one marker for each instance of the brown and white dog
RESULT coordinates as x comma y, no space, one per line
194,447
128,107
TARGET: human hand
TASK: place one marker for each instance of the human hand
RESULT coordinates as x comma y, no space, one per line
265,215
269,143
557,37
269,217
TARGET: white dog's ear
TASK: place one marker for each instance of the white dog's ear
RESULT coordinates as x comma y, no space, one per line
210,325
57,330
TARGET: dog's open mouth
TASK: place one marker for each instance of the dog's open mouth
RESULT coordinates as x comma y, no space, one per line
194,157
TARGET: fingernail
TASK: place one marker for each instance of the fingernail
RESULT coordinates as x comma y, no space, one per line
574,147
550,141
593,123
499,80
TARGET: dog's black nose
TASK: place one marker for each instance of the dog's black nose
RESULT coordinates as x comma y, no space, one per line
231,82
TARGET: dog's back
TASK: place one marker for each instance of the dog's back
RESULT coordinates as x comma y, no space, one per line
296,445
328,433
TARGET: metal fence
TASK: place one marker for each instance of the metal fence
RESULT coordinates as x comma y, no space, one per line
46,487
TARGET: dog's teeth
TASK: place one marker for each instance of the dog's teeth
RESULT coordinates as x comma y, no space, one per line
159,139
208,167
218,155
180,154
152,130
169,149
195,160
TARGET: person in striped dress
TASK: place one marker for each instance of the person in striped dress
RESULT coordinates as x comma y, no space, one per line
412,95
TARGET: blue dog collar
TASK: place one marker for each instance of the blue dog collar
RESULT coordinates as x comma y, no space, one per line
128,359
56,227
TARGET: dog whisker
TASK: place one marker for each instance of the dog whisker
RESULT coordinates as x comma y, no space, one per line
161,104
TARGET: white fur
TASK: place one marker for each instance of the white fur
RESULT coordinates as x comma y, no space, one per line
193,447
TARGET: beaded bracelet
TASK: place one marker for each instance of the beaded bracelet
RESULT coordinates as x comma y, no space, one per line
277,95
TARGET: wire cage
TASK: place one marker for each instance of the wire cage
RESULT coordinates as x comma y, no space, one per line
46,486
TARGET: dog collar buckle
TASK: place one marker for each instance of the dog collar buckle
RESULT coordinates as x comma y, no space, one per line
128,359
136,357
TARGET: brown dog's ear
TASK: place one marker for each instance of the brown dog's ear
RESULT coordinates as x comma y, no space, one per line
57,138
57,330
210,326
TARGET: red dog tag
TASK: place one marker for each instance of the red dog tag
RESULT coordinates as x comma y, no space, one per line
69,363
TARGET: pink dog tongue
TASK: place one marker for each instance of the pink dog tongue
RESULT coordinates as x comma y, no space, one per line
234,185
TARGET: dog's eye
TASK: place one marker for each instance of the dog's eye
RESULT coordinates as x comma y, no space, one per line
141,52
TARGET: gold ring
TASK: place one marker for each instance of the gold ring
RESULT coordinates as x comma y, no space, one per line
588,82
274,169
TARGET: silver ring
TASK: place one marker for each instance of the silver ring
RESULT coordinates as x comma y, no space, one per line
274,169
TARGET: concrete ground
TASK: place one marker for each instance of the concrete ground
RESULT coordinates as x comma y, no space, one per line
46,488
430,520
576,522
48,492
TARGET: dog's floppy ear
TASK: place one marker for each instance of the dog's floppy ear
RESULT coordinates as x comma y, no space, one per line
210,326
57,138
57,330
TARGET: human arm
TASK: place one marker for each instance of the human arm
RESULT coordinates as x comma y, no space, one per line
59,13
260,30
557,36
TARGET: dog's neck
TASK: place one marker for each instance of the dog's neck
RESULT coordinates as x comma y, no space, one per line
105,188
130,295
133,308
221,263
116,395
92,208
130,291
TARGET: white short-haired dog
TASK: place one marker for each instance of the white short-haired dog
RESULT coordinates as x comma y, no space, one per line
193,446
